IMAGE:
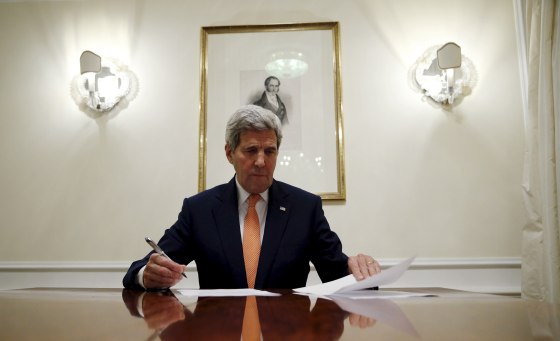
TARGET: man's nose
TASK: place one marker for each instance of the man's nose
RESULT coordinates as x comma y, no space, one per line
259,162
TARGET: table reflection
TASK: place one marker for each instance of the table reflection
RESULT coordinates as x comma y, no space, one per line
285,317
99,314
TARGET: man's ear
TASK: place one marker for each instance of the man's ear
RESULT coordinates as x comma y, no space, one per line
228,153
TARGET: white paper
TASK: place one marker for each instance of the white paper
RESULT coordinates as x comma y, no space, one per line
328,287
369,294
225,292
349,283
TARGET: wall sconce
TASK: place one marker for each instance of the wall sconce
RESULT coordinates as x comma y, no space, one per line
102,84
444,75
286,64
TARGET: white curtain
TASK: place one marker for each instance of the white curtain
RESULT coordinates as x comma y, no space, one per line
541,183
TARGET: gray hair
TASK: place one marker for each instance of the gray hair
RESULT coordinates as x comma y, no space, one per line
251,117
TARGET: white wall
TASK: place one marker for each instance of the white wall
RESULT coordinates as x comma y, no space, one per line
420,180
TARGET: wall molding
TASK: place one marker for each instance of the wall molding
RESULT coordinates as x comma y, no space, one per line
419,263
491,275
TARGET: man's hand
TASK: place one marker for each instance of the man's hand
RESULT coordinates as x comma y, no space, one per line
362,266
161,272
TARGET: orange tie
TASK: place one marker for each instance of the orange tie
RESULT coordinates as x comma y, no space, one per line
251,327
251,240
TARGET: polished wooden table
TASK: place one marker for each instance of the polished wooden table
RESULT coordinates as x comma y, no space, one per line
115,314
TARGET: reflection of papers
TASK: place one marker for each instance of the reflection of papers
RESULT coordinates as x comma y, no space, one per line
226,292
367,294
383,311
349,283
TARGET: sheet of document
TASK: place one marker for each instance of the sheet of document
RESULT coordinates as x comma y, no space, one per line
349,283
225,292
369,294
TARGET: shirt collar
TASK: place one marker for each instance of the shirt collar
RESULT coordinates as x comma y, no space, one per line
242,194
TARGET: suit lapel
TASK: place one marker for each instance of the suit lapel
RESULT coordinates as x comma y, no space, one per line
226,216
276,222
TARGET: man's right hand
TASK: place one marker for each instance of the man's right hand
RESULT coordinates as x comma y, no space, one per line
161,272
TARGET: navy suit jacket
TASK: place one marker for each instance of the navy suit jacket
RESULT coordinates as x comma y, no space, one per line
296,233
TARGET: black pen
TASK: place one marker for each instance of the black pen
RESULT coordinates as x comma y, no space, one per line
159,251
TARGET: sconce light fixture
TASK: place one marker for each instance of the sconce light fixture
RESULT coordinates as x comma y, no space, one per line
444,75
286,64
102,84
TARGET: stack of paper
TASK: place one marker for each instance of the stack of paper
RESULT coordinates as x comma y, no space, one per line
226,292
349,286
345,286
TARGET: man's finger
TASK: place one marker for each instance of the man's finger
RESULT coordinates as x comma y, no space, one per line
167,263
161,272
362,266
373,267
355,268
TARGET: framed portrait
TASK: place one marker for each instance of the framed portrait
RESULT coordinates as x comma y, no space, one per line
294,71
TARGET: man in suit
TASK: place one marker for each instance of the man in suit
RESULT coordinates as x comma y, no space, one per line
270,99
211,227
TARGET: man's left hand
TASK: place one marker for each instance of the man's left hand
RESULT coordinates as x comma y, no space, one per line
362,266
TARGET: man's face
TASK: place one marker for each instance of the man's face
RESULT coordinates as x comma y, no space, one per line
254,159
273,86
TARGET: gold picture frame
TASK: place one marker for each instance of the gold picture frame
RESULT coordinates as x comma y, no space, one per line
305,60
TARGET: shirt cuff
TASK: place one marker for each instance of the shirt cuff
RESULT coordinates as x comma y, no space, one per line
140,277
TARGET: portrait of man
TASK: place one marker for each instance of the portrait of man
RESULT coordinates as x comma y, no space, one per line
289,109
270,99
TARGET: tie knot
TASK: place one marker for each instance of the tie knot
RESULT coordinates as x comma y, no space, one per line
253,198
